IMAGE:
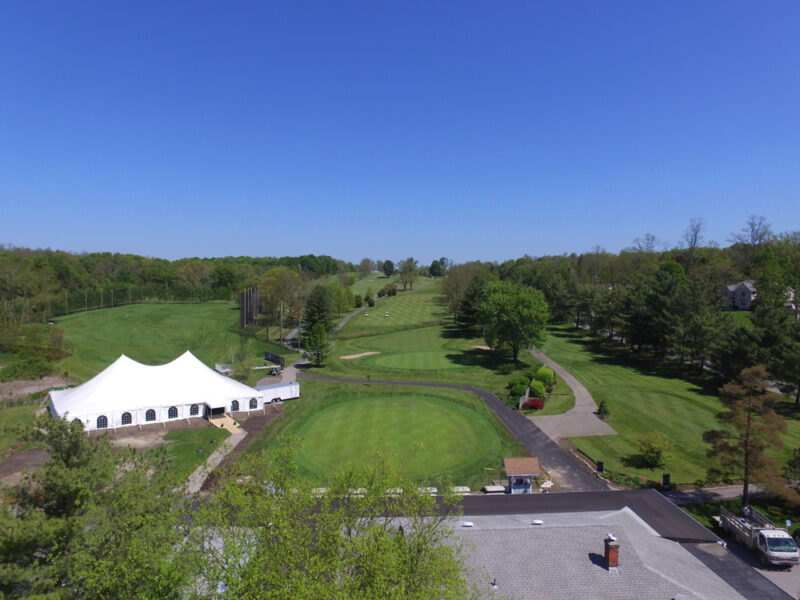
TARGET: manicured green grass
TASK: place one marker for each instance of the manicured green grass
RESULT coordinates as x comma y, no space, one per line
416,343
434,434
183,445
413,308
156,334
560,401
643,397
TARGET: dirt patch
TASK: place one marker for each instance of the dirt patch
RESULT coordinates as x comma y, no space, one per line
353,356
145,437
12,469
482,347
19,388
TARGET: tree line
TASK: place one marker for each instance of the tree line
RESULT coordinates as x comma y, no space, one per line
665,302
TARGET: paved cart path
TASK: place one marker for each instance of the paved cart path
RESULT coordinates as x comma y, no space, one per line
580,420
563,469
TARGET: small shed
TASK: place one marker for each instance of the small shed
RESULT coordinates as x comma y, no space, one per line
520,472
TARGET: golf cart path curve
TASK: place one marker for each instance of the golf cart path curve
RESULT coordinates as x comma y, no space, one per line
580,420
563,469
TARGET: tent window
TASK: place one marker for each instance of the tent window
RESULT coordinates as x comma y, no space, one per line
194,410
126,418
150,415
234,406
102,422
173,412
253,403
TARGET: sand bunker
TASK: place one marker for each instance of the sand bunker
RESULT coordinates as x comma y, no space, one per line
481,347
363,354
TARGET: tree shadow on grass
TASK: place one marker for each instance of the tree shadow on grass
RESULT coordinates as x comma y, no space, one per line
637,461
611,352
476,357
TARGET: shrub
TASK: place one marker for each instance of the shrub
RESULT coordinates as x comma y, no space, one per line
653,448
26,368
518,380
358,301
537,389
506,368
546,376
518,389
370,301
381,292
533,403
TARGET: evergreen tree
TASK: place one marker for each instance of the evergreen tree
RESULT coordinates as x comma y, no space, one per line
319,308
751,430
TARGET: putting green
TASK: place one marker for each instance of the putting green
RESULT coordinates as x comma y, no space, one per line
432,437
417,360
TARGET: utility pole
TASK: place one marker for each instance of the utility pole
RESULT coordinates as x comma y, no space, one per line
281,325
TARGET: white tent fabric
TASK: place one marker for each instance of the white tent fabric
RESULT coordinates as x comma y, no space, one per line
130,393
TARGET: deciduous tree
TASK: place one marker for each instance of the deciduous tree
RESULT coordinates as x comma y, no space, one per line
512,316
408,273
264,541
318,344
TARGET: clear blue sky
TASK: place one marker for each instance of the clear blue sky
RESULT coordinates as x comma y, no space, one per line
468,130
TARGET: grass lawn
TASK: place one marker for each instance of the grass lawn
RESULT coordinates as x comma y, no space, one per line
642,397
416,343
156,334
434,434
182,449
560,401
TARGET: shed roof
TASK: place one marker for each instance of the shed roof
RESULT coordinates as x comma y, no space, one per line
522,466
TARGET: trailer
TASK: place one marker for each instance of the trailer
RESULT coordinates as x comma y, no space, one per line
278,392
773,545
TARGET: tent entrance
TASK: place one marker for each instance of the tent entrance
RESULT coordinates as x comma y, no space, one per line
212,413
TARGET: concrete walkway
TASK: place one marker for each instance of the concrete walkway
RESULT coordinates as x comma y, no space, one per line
580,420
196,479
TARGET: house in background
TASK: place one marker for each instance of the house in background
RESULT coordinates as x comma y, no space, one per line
740,296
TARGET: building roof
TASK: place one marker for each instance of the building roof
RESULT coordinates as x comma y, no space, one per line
521,466
562,558
129,385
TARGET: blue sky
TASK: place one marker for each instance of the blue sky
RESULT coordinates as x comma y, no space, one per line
468,130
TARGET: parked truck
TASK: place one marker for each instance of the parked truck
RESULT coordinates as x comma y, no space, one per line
773,545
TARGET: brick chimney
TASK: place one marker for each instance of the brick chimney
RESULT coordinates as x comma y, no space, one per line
612,552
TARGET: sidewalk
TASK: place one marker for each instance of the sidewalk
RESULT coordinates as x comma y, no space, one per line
196,479
580,420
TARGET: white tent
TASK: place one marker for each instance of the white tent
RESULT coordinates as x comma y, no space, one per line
130,393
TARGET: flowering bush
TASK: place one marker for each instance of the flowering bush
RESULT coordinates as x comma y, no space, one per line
534,403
